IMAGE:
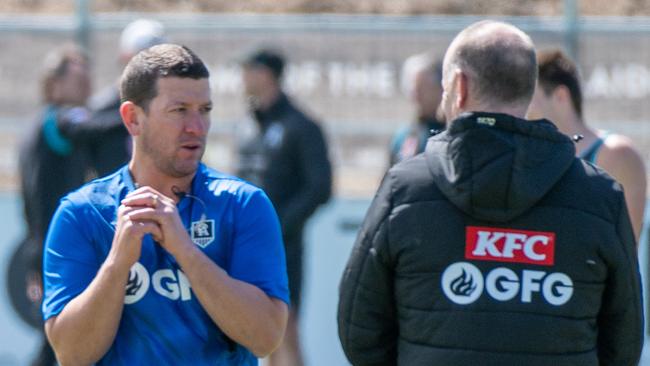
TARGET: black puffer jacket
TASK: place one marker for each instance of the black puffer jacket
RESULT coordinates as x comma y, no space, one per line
494,247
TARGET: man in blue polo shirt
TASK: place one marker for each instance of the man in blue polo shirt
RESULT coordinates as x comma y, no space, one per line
165,261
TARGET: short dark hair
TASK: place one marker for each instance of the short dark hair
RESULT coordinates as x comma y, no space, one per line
271,59
557,69
504,72
140,77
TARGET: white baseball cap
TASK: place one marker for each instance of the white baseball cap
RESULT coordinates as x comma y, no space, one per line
141,34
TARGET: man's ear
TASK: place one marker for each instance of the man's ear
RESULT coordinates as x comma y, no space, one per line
462,86
130,113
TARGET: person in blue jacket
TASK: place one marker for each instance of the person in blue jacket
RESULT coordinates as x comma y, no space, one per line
165,261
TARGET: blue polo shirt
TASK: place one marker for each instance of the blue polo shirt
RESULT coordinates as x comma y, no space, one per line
163,322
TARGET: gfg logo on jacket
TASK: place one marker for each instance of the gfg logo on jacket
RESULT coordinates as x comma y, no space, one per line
463,283
507,245
165,282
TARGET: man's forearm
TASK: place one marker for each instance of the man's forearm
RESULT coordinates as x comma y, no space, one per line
242,311
85,329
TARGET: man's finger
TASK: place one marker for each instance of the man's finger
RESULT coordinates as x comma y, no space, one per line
126,211
148,227
144,199
144,214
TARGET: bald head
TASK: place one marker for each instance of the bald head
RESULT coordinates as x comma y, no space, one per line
498,63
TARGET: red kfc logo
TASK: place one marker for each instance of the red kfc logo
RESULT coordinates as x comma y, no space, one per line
507,245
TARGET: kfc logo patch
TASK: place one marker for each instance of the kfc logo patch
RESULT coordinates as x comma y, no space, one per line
507,245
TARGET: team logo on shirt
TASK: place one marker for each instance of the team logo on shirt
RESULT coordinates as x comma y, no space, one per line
169,283
202,232
508,245
138,283
463,283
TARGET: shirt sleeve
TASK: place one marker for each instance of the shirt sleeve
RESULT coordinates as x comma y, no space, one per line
69,260
258,253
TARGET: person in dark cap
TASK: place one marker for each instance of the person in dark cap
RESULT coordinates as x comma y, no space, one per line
288,159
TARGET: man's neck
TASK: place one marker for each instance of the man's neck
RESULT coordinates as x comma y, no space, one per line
574,126
515,111
149,175
268,99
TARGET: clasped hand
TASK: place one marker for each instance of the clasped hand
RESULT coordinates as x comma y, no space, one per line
147,211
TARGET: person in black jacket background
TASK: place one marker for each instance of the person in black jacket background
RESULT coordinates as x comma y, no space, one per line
496,246
288,159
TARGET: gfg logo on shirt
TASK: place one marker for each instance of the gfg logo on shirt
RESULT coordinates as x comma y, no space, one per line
463,283
164,281
507,245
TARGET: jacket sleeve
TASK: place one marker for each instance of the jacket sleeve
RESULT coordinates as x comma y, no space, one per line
620,322
311,152
86,128
32,193
367,318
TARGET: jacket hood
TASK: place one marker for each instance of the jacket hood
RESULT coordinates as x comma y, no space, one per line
494,167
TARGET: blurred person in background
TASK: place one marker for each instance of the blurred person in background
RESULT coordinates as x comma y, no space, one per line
496,246
50,163
558,97
421,76
109,141
288,159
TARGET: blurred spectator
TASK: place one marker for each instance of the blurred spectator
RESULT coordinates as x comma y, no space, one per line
51,164
288,159
109,141
421,75
558,97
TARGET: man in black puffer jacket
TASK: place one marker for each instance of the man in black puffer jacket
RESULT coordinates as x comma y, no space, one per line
495,246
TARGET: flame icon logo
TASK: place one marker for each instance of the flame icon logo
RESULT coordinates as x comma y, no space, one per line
463,285
134,284
137,285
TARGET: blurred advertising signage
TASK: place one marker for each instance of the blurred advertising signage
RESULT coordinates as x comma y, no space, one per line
618,81
384,80
337,79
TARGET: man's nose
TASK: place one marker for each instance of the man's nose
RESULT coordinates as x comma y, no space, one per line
197,123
